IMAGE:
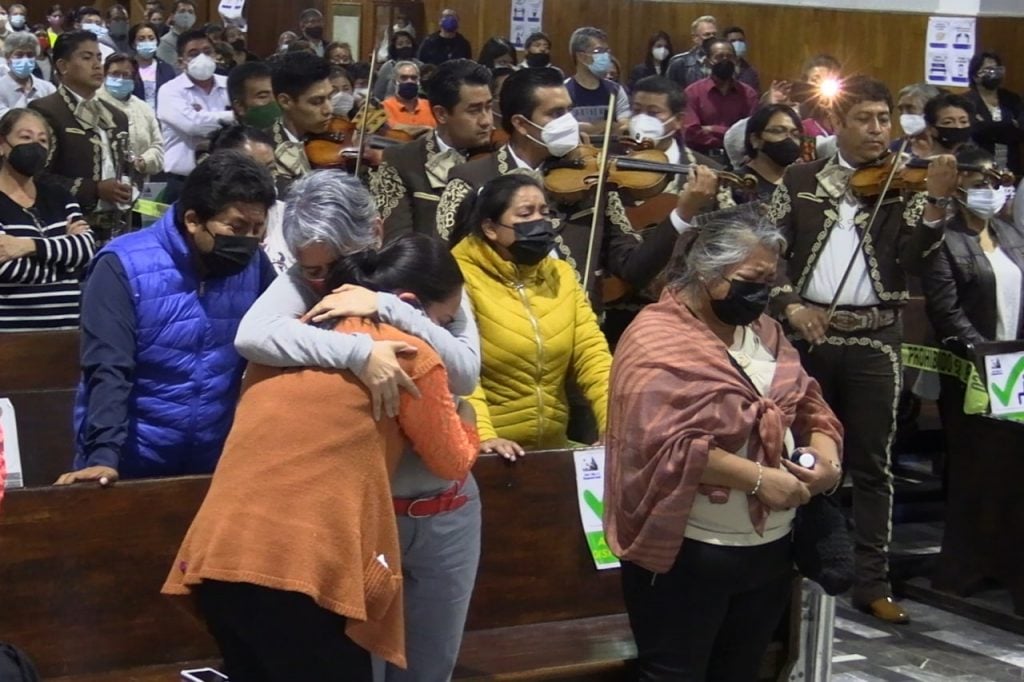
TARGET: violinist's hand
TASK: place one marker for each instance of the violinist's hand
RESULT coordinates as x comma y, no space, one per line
941,183
698,193
779,92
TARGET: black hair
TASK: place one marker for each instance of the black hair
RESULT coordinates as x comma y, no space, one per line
534,37
496,47
11,118
489,203
339,70
114,7
446,84
823,60
660,85
213,27
734,29
236,136
415,263
119,57
758,121
87,11
655,37
133,32
858,89
297,72
361,71
976,62
68,42
242,74
973,155
947,99
394,39
715,40
188,36
519,93
179,3
224,178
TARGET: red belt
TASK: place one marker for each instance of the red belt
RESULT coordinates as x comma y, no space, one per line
423,507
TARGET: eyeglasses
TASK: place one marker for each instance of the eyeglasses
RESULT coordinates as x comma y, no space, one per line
597,50
992,71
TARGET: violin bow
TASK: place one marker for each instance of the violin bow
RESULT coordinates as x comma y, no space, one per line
366,112
867,229
599,197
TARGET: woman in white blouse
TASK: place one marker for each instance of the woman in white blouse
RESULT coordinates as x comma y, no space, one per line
144,136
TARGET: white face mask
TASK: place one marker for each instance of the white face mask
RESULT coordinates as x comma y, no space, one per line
342,103
660,53
202,67
646,127
912,124
560,135
985,202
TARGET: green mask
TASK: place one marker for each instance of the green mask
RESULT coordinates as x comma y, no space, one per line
264,116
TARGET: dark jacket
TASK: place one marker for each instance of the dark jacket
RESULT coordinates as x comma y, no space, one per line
641,71
164,72
438,50
960,286
1010,131
75,161
805,207
688,68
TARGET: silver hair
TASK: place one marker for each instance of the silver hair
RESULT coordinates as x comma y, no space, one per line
404,63
921,91
19,41
706,19
721,243
331,208
581,37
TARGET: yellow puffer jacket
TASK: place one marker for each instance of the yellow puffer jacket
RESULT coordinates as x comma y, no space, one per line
536,326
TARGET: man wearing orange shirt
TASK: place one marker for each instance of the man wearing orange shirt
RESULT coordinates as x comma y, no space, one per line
405,109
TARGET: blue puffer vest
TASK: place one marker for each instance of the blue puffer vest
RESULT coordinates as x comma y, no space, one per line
187,372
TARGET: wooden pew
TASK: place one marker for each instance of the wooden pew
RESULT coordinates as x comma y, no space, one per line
39,372
82,568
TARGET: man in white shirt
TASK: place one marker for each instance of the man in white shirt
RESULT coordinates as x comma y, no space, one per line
19,86
191,106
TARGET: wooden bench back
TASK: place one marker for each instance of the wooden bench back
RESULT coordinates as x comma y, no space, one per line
38,373
82,567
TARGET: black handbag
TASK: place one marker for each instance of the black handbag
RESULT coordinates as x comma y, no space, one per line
822,545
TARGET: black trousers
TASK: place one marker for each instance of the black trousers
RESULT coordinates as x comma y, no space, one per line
270,635
861,376
712,616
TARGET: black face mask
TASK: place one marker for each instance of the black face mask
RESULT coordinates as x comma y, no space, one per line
723,71
238,45
537,60
783,152
315,32
745,302
230,255
534,241
404,53
992,82
951,137
28,159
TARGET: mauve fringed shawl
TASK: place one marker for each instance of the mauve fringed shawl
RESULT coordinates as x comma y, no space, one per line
674,396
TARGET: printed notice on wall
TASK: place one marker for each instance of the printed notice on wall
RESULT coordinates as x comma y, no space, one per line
527,16
9,445
948,51
590,490
1005,377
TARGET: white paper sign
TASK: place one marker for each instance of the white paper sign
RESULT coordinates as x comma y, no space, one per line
590,492
527,17
1004,378
11,452
948,50
231,9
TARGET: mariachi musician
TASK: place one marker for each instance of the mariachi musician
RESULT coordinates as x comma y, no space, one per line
535,108
840,289
302,87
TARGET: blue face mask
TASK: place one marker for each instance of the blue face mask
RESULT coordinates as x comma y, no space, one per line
98,30
119,87
146,48
22,67
601,65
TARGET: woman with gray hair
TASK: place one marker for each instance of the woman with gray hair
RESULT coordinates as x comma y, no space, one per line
329,215
708,403
20,86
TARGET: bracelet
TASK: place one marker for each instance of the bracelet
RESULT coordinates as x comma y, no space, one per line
760,478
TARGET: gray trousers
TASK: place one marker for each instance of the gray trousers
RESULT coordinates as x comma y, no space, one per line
440,555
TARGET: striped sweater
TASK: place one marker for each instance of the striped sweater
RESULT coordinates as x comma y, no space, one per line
42,291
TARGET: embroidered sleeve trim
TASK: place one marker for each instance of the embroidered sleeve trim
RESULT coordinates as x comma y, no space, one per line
387,188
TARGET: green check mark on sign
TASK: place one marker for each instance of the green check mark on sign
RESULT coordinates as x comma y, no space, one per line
1008,389
596,505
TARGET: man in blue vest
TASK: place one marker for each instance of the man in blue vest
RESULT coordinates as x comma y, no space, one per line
160,308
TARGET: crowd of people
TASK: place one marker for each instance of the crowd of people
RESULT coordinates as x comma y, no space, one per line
434,287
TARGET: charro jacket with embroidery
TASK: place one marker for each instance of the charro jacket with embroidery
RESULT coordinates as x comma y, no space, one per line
290,160
75,161
407,186
806,207
618,248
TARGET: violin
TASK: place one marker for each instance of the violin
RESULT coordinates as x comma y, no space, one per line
868,181
340,145
641,175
